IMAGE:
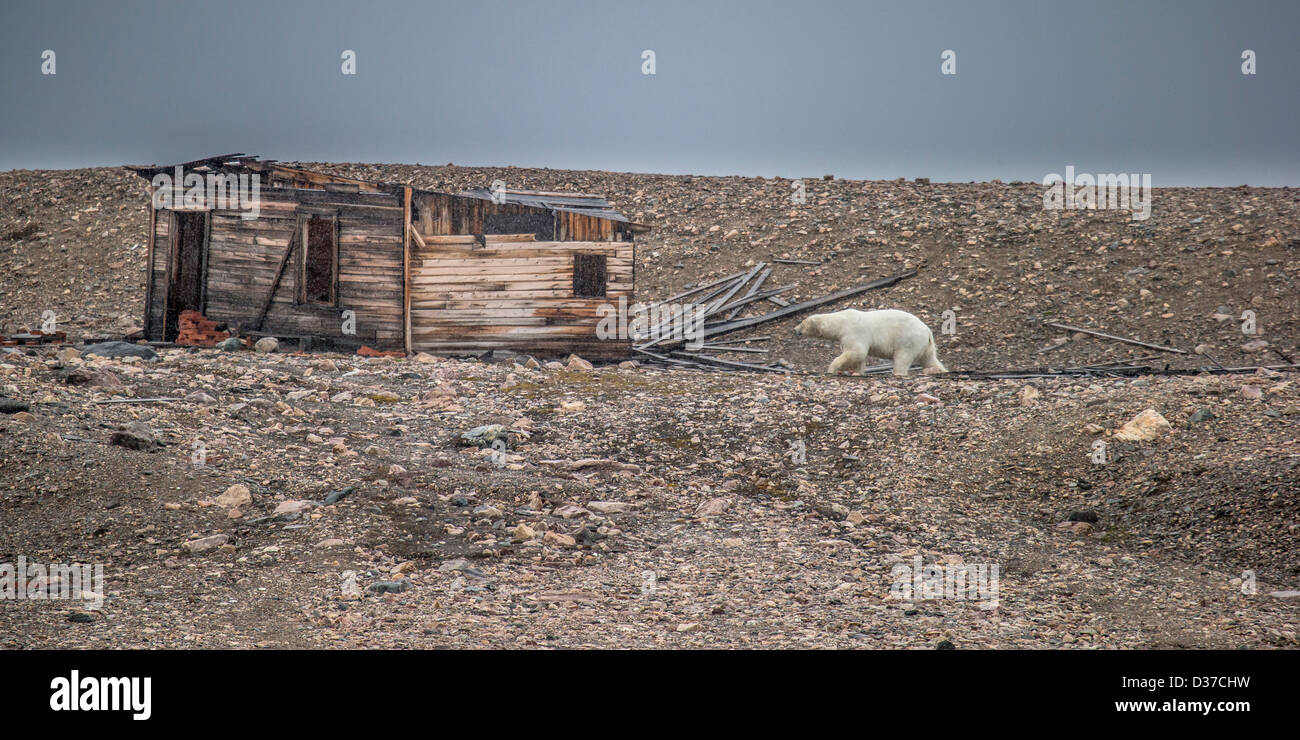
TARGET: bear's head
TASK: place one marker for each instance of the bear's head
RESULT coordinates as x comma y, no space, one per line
809,327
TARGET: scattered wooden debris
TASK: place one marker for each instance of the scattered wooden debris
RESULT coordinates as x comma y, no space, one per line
1114,338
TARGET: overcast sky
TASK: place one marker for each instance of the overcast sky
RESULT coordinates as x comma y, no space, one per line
796,88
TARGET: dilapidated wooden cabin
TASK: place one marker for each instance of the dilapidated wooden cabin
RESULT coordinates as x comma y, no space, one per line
281,251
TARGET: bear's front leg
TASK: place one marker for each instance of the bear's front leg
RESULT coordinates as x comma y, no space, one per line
838,363
851,360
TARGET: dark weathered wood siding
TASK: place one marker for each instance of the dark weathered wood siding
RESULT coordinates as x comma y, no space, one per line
442,214
244,255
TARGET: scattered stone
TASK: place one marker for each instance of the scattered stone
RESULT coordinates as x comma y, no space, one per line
1028,395
333,497
713,507
349,588
292,507
136,435
235,497
266,345
389,587
558,539
570,511
610,507
484,436
203,544
1146,426
577,363
1258,345
93,377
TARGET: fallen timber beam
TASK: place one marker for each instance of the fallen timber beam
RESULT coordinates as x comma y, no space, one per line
796,308
730,363
752,290
665,358
731,292
724,348
738,340
1114,338
695,290
740,303
655,330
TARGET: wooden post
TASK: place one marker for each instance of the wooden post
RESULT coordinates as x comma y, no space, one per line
406,267
148,282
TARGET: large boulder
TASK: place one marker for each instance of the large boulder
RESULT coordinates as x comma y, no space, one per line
136,435
120,349
1146,426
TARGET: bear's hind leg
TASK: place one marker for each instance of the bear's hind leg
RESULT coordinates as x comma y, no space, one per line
902,363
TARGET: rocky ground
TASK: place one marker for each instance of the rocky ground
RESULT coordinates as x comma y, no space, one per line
644,507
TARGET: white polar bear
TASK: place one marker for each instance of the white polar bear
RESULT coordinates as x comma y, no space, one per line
888,334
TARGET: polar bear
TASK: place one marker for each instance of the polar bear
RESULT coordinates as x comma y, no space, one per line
888,334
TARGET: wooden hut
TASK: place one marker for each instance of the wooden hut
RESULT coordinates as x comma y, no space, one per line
340,262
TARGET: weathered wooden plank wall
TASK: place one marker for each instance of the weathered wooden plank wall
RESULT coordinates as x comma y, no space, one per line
514,295
243,256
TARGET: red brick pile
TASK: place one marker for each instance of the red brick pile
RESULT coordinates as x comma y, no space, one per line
371,352
196,330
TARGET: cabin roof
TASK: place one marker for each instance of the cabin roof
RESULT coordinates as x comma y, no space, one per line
583,203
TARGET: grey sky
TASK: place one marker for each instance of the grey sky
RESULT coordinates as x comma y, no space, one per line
744,87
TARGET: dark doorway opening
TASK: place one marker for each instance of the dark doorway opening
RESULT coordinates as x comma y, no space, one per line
185,269
320,266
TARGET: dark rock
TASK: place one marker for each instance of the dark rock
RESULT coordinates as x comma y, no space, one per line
92,377
10,406
136,436
389,587
120,349
1083,516
333,497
